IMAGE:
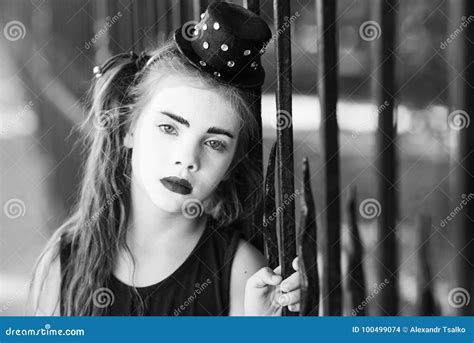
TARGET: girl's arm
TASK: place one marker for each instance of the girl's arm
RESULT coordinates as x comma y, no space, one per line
247,261
43,299
257,290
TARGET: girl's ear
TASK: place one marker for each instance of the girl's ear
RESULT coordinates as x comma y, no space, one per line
128,140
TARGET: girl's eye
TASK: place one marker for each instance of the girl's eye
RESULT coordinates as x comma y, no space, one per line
168,129
216,145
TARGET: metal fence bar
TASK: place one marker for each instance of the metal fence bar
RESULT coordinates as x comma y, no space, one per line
163,24
122,34
384,89
253,231
461,107
144,24
427,305
269,222
328,93
356,280
308,249
286,224
199,6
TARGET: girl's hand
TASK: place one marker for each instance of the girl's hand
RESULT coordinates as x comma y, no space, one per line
266,293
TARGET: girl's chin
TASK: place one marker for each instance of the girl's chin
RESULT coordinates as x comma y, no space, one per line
169,202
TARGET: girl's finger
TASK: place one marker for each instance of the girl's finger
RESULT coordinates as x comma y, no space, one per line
277,270
263,277
295,264
291,283
294,308
291,298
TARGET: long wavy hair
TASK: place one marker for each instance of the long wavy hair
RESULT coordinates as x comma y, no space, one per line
96,229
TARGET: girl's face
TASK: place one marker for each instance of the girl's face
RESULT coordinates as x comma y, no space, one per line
183,143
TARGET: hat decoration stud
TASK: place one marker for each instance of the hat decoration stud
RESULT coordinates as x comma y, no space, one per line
226,44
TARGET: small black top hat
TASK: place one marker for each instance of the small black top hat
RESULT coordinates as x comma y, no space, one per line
226,43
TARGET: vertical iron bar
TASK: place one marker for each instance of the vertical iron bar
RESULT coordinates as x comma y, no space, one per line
164,19
308,249
269,222
253,230
427,305
176,14
328,93
356,280
460,120
199,6
286,215
384,88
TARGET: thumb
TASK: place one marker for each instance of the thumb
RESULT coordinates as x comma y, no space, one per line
264,277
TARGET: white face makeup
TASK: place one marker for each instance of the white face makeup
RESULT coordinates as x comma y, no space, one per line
186,132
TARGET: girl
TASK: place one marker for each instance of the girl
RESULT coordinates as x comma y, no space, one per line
166,178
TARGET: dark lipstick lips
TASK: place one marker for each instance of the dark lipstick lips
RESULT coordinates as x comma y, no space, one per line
177,185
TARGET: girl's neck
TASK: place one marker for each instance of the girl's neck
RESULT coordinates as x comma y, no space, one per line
149,225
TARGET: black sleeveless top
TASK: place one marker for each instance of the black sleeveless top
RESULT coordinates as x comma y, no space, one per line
199,287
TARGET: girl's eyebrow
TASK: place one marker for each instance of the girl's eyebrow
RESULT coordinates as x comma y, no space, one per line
214,130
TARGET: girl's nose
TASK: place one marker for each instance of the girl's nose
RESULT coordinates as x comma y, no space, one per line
189,161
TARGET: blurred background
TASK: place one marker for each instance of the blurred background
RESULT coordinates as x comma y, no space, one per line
49,47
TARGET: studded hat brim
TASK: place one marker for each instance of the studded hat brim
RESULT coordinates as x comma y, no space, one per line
250,78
